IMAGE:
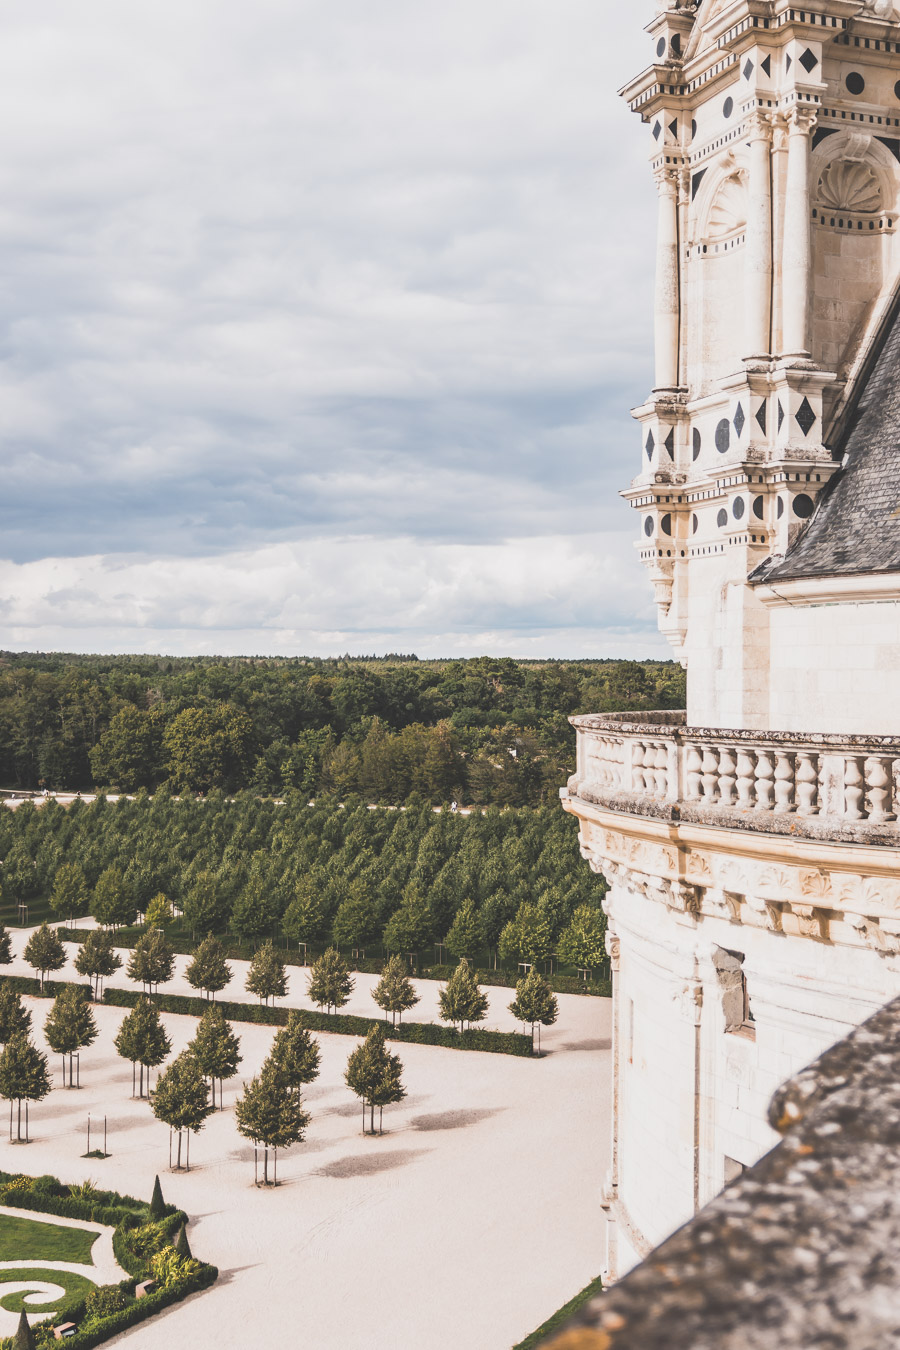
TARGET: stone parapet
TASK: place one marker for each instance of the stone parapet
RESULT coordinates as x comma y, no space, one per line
804,1249
825,787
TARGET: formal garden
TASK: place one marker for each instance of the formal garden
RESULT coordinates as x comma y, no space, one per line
107,1262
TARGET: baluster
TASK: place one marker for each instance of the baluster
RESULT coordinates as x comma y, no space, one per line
638,757
806,777
854,788
784,781
710,774
727,775
660,771
693,763
879,782
746,778
765,776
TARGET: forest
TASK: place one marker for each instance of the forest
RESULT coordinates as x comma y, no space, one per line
509,881
487,730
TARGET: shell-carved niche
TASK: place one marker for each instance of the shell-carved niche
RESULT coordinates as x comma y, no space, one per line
728,213
850,185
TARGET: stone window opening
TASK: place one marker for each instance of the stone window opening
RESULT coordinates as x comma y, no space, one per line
735,993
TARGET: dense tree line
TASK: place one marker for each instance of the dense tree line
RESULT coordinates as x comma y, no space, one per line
349,874
486,730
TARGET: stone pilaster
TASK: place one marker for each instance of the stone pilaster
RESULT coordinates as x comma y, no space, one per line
796,253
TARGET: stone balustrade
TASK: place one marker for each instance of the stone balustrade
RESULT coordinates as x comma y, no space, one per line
655,764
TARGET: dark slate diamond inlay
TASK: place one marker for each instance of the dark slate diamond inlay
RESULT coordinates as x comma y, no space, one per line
739,420
673,127
766,67
787,62
761,417
670,443
651,445
809,61
805,417
657,130
780,415
748,68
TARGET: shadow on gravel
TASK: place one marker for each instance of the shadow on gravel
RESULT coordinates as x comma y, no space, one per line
453,1120
586,1045
365,1167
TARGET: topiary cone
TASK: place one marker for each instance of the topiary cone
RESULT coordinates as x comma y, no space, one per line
157,1203
182,1246
24,1338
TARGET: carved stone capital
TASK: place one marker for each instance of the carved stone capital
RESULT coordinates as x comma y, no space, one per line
613,949
812,921
801,120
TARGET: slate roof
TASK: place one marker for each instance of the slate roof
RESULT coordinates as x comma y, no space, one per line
856,526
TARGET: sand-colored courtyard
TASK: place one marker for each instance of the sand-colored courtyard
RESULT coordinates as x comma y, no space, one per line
471,1220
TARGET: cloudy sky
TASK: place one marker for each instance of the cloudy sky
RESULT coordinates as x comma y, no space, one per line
320,321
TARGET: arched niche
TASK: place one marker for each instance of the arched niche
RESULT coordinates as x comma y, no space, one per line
716,247
854,189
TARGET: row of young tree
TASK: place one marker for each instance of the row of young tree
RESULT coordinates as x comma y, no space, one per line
270,1111
510,883
485,730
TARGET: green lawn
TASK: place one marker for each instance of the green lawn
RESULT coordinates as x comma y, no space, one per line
75,1286
556,1321
26,1240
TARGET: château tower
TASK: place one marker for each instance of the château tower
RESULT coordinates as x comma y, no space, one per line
775,135
750,842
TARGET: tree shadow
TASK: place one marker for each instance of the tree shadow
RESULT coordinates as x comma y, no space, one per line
356,1166
454,1120
586,1045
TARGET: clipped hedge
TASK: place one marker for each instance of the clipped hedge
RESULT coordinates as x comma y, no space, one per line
141,1309
418,1033
506,979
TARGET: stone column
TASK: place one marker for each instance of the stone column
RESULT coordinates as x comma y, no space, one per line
667,300
759,240
797,251
779,176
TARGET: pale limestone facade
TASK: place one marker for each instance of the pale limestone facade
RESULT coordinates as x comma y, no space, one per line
751,843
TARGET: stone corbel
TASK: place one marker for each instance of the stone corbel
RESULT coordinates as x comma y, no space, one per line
762,913
689,1002
613,949
682,897
879,935
722,904
812,921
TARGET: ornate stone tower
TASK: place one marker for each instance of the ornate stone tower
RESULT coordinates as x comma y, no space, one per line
751,841
775,134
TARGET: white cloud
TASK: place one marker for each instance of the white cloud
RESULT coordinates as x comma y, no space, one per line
286,275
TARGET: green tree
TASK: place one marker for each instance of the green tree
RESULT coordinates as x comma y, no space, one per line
375,1075
45,952
69,897
295,1053
267,977
208,970
70,1026
24,1337
15,1020
152,961
394,992
253,913
534,1003
181,1099
6,954
356,922
142,1039
20,880
582,941
208,747
329,984
23,1077
97,959
160,913
411,927
127,754
529,936
113,904
206,906
462,999
270,1114
305,918
466,936
217,1049
157,1203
